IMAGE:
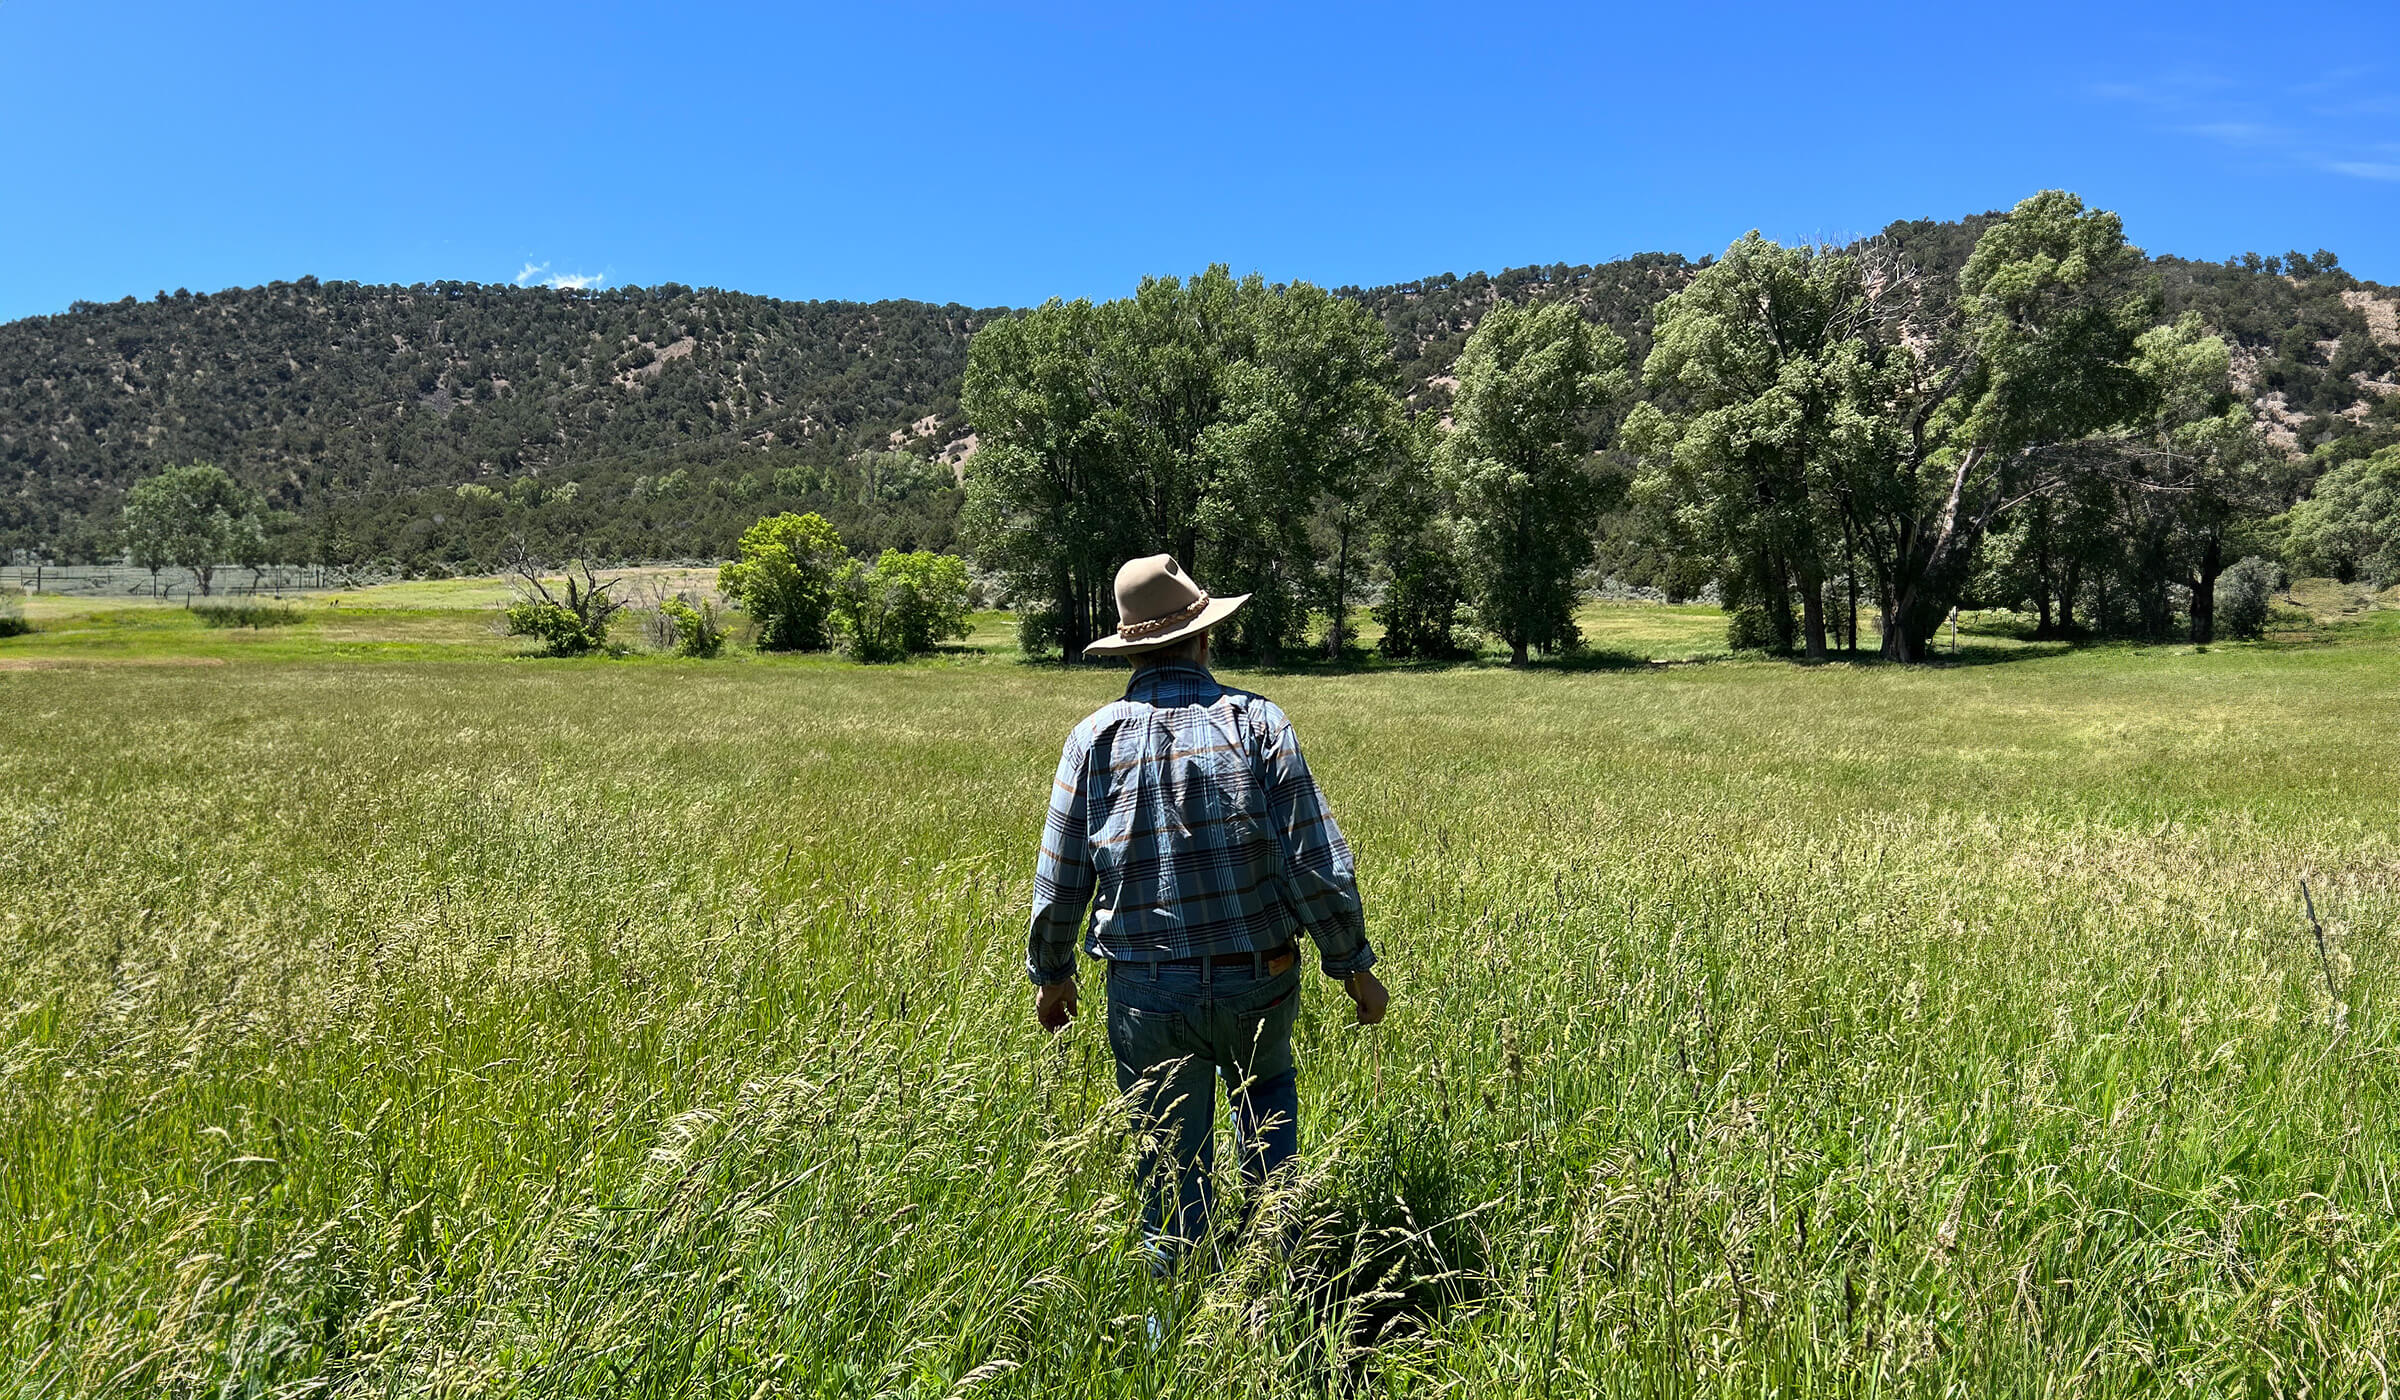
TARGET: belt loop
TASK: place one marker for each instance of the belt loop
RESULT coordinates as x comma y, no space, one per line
1208,969
1258,965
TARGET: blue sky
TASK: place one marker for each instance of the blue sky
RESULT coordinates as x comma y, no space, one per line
1003,153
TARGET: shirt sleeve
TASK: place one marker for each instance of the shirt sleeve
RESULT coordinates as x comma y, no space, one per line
1319,877
1062,878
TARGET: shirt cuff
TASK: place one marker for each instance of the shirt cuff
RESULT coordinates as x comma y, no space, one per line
1358,961
1043,976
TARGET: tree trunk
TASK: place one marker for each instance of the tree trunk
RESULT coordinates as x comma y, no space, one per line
2204,593
1812,615
2066,599
2041,568
1339,633
1778,589
1516,651
1895,637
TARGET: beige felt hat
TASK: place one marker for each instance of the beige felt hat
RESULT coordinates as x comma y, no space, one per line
1158,605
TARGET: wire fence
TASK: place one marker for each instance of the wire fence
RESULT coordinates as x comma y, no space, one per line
179,585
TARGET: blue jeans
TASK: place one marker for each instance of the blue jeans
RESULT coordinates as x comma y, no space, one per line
1175,1030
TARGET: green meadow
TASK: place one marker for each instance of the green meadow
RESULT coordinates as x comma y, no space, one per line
384,1012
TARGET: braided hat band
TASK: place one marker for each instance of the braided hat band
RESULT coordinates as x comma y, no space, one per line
1135,631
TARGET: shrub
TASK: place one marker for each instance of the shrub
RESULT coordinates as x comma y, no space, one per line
1422,608
928,597
784,575
697,629
560,631
862,615
567,624
12,613
2245,597
905,604
1748,628
251,615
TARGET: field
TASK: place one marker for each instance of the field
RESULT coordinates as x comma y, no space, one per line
385,1013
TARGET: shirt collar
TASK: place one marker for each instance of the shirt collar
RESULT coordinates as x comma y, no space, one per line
1171,680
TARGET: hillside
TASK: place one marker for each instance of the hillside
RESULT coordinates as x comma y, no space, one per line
361,411
427,425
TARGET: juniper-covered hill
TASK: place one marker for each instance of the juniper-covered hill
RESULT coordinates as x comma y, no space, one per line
430,425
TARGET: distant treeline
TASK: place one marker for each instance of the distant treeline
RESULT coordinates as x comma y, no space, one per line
431,428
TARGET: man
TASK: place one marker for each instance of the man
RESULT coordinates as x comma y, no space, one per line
1185,816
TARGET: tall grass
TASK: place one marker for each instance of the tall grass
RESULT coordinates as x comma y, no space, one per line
658,1029
248,613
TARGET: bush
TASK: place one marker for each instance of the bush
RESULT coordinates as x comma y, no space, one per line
928,597
560,631
904,605
1423,608
784,575
1748,628
567,624
251,615
697,629
2245,597
12,613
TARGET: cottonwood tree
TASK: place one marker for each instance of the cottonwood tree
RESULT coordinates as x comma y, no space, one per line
1047,506
1762,378
784,574
193,517
1535,388
2349,527
2051,551
1986,397
1309,423
2196,479
1416,563
1213,419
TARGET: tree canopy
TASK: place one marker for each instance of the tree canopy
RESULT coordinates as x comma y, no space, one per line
1536,386
194,518
2350,528
1206,418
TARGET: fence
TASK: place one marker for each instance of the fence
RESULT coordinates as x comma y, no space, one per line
178,585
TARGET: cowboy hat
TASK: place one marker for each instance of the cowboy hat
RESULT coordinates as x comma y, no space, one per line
1158,605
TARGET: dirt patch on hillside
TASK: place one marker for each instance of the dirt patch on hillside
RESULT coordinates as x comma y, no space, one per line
2383,317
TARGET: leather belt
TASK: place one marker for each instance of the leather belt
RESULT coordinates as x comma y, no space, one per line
1229,959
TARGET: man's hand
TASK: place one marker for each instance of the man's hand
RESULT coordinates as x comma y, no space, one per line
1054,1005
1370,994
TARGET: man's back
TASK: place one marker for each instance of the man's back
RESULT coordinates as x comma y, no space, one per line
1185,814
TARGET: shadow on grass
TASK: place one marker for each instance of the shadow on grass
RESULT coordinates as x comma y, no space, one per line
1988,645
1395,1249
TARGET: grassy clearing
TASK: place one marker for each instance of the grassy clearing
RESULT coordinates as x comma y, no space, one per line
462,1025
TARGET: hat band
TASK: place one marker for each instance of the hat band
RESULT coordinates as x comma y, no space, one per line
1135,631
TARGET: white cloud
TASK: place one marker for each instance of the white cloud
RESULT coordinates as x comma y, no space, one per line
534,273
2239,133
2338,122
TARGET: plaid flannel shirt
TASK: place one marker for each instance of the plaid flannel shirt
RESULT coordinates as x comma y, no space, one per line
1185,816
